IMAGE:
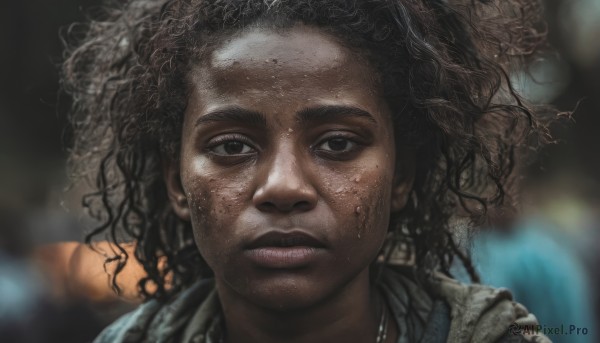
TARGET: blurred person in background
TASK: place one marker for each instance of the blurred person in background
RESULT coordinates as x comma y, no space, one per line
36,303
545,257
548,255
36,306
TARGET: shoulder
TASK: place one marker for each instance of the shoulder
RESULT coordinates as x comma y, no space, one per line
131,326
153,321
481,313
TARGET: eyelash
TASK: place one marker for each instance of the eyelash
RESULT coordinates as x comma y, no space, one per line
222,140
355,145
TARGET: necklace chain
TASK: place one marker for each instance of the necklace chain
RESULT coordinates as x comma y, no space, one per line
383,325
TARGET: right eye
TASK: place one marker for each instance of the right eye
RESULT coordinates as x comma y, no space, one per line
230,146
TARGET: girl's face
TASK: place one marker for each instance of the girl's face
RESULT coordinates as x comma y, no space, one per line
287,165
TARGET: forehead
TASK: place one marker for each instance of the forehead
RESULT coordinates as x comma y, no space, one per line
301,60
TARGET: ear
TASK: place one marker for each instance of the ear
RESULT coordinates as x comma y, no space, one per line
404,178
175,191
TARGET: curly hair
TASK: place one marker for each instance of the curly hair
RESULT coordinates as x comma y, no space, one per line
445,71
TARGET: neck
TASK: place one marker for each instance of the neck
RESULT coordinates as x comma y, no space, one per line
350,315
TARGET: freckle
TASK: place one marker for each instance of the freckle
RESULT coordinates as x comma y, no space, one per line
275,60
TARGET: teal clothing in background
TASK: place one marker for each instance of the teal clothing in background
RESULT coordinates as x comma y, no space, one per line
535,263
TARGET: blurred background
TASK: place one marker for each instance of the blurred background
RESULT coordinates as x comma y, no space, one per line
549,257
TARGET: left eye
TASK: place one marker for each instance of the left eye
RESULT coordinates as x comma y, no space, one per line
337,144
232,147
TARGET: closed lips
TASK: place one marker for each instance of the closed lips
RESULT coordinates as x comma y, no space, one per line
285,239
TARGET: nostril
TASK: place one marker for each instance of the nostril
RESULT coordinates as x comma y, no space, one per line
267,207
303,206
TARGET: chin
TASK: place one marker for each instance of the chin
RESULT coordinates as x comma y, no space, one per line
288,291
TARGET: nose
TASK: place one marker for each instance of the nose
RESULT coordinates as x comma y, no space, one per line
284,186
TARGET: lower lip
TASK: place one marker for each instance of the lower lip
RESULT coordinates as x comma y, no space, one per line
283,257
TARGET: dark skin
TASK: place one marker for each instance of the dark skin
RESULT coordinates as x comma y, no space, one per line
287,132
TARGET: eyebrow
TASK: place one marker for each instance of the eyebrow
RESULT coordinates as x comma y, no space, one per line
332,112
233,114
254,118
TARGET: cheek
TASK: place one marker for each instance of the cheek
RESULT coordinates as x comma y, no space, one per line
362,201
213,207
212,219
375,212
201,210
373,208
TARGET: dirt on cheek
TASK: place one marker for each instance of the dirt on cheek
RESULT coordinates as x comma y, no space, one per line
361,215
370,209
201,205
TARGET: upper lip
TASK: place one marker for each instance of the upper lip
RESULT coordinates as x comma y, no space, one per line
285,239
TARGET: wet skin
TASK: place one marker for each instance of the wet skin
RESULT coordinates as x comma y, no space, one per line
286,174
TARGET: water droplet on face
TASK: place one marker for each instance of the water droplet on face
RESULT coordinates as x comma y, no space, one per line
339,190
290,130
359,235
357,210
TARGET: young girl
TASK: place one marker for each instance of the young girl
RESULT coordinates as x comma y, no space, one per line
270,158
